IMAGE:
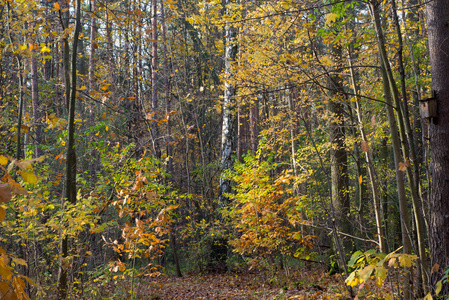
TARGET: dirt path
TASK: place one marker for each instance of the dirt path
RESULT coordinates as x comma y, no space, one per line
243,286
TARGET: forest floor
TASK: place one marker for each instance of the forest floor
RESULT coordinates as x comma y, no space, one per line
301,284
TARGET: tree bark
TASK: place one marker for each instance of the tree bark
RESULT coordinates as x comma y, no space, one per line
437,26
338,157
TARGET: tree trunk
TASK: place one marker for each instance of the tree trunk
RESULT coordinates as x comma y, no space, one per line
35,101
369,162
437,26
93,46
229,118
167,94
243,135
70,185
154,85
254,124
338,157
413,175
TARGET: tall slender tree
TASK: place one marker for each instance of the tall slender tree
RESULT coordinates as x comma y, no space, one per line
228,131
70,174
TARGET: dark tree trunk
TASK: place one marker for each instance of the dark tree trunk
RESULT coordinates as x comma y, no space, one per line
243,131
254,124
70,185
438,31
35,100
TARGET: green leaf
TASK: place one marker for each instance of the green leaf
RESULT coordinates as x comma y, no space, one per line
381,274
354,258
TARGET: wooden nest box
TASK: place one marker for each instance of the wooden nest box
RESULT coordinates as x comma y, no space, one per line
428,107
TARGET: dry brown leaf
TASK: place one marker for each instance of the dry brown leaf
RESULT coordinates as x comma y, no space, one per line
365,146
5,192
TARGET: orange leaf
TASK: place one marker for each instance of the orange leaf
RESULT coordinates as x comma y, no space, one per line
2,213
57,7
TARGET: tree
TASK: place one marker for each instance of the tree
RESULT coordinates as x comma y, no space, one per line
70,174
228,131
437,24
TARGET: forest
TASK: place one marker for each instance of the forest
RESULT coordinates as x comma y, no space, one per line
224,149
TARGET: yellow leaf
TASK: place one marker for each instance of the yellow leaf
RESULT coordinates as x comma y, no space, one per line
28,280
57,7
438,287
366,272
6,293
28,176
23,47
286,4
352,280
45,49
5,270
19,261
428,297
407,260
326,60
82,88
28,163
331,17
3,160
19,286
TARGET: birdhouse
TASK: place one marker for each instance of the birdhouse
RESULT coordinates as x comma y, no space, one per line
428,107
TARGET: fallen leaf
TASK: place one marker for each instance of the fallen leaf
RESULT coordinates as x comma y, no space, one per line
5,192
